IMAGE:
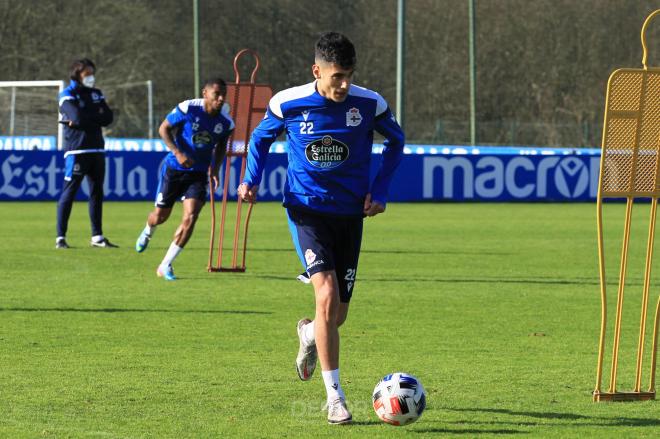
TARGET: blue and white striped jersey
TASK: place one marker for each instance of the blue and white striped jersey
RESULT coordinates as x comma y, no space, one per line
329,148
198,133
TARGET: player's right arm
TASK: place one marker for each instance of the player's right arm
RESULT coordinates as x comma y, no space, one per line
262,138
166,131
71,114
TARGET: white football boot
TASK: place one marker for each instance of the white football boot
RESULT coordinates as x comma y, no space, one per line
307,356
338,412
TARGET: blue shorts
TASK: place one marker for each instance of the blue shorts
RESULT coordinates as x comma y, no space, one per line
327,243
174,185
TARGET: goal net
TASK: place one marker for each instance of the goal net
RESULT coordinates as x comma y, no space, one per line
29,114
132,104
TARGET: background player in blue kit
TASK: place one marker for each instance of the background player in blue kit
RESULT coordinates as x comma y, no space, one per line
196,134
329,125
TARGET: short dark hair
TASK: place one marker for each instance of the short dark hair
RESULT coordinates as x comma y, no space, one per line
216,81
78,66
335,48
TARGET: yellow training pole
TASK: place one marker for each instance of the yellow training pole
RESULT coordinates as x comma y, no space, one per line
645,296
654,348
619,301
603,297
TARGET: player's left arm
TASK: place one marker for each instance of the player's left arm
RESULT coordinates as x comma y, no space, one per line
386,125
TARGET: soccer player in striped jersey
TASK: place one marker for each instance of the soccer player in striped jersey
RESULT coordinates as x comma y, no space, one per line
329,125
196,133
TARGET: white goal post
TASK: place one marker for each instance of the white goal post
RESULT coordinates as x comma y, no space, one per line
13,85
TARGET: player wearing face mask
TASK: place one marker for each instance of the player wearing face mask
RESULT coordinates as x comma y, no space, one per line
84,112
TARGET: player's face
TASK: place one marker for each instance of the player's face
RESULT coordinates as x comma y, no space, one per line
332,80
214,97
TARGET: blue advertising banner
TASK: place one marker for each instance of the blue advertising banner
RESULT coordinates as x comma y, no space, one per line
500,178
28,143
444,175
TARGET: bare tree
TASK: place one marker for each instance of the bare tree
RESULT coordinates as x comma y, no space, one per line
542,64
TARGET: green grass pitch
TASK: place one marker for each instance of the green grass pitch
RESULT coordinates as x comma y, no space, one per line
494,307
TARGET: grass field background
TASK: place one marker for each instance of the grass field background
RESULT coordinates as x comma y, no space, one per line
494,307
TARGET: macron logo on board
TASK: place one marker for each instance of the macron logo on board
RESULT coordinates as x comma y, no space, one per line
519,177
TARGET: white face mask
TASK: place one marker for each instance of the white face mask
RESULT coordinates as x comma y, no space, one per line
89,81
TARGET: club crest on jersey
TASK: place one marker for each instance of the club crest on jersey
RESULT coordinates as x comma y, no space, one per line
201,138
218,128
353,117
326,152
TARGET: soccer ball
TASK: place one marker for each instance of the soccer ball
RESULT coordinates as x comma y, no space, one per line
399,399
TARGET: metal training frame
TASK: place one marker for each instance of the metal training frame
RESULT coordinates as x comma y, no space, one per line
248,102
630,169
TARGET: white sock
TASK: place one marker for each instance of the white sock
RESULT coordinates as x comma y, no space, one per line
97,238
332,386
171,254
150,230
308,333
59,238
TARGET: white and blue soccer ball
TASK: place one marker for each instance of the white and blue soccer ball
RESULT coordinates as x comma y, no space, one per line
399,399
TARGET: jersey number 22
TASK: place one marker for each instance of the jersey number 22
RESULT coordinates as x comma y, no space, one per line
306,127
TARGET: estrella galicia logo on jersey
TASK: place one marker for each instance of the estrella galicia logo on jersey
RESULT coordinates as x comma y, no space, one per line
326,152
353,117
202,137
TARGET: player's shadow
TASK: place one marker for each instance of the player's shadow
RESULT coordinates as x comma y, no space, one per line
559,416
388,251
437,252
135,310
366,423
468,431
481,280
571,419
475,280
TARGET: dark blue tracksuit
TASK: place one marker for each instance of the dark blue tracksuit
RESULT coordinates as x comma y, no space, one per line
87,111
